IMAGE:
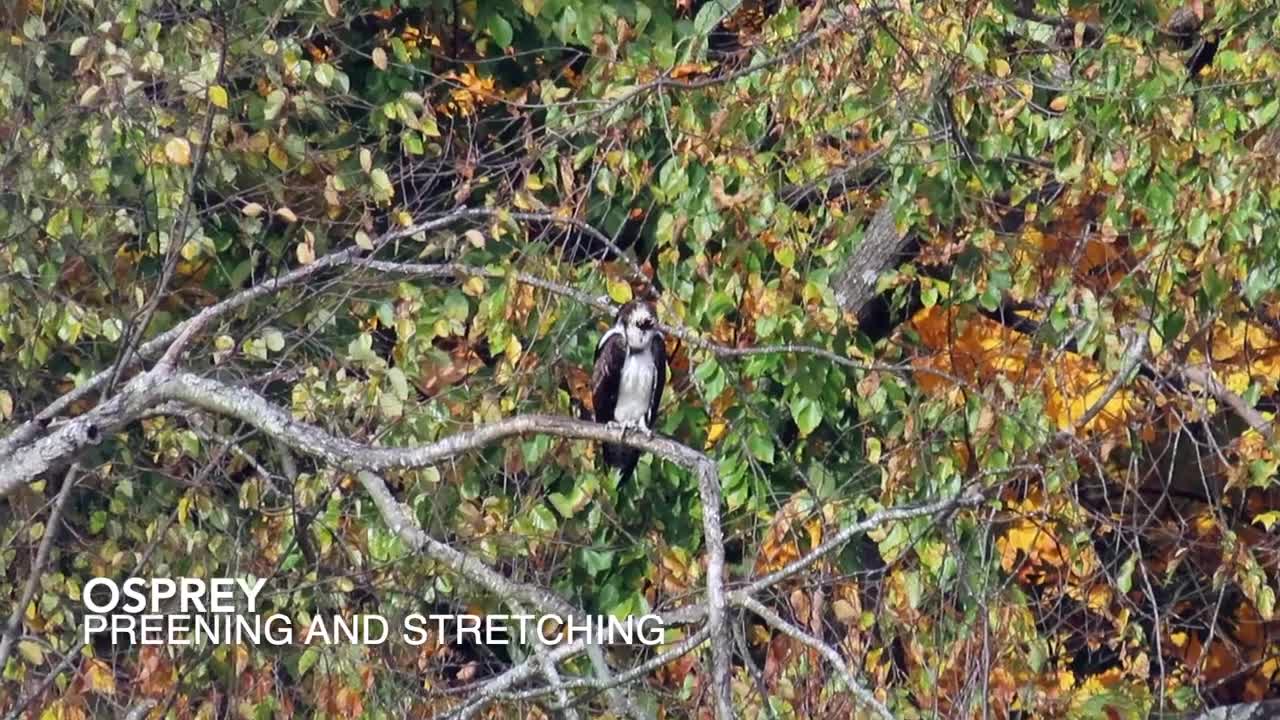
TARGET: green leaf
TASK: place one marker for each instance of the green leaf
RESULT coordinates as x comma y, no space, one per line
807,413
382,188
543,519
500,30
1266,113
761,447
324,73
308,660
399,384
274,339
275,103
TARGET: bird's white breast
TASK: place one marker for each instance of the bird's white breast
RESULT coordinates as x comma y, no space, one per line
635,390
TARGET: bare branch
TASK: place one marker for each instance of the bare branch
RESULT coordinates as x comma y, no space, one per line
672,653
550,672
1205,377
140,710
721,649
177,237
402,523
69,438
1136,348
940,507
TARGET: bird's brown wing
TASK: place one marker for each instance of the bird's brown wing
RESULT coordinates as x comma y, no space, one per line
606,377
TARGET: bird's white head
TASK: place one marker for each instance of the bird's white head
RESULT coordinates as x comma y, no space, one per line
639,323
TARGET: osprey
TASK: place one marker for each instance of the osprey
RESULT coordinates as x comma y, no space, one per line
629,377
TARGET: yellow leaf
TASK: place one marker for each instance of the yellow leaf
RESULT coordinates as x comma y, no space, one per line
1002,68
178,151
287,215
474,287
253,209
218,96
475,237
514,348
31,652
101,679
716,432
680,72
6,405
331,7
278,157
429,126
363,241
380,58
1059,103
1267,519
366,159
306,254
619,291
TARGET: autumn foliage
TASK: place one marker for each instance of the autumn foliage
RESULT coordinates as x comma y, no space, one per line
1077,324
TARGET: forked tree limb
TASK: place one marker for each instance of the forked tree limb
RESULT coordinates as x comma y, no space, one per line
162,387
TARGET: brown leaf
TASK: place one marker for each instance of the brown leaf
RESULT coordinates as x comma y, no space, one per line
687,70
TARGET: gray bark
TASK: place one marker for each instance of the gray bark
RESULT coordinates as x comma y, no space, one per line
882,246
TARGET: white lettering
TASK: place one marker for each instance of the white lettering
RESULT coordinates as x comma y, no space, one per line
470,625
93,624
279,629
192,594
87,594
368,636
133,590
251,591
222,595
413,624
317,628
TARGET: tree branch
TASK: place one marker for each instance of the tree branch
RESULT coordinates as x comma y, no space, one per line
1205,377
971,498
1136,348
776,622
402,524
174,340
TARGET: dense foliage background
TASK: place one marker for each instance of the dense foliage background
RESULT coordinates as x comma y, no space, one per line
906,250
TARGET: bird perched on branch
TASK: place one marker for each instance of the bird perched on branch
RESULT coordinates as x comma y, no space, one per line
629,377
